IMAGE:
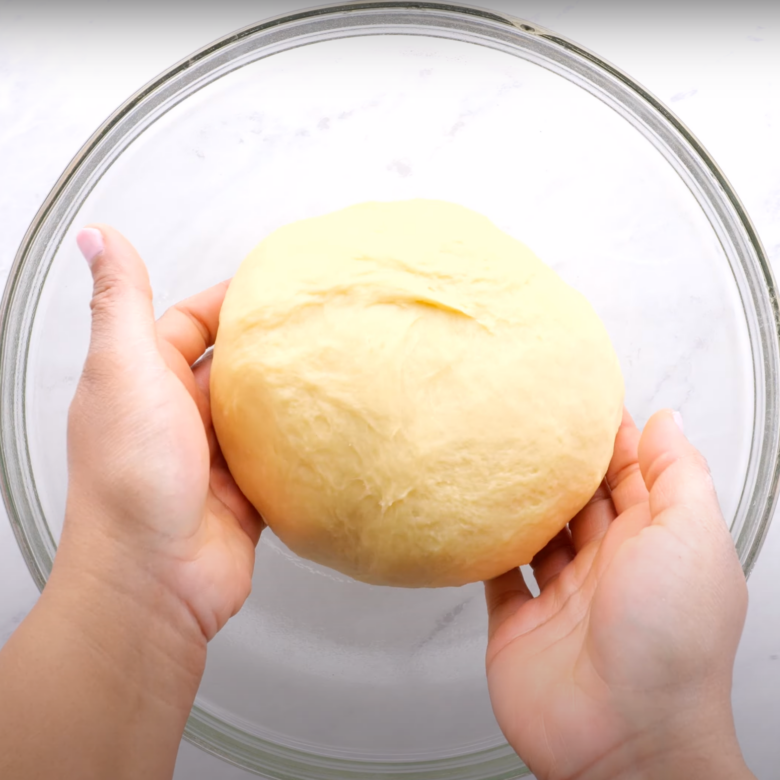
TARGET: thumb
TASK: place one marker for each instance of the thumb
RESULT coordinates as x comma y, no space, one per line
682,494
122,312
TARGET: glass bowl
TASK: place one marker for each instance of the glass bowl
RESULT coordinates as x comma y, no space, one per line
320,676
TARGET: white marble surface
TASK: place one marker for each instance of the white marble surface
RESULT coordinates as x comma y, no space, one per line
63,69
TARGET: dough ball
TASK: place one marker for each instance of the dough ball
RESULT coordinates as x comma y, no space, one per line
409,396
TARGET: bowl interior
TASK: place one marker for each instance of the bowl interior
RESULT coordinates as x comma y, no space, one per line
317,663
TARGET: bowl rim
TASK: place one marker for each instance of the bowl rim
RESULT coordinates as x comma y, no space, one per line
681,149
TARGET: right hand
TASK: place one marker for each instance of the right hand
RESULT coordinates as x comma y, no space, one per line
151,503
157,550
622,666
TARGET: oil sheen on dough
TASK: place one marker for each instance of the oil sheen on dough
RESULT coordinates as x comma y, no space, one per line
408,395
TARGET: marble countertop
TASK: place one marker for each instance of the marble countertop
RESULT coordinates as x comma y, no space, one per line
65,67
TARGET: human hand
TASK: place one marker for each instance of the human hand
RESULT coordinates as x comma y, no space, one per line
150,495
156,553
622,666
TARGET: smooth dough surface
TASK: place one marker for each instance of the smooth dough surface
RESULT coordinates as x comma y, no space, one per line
409,395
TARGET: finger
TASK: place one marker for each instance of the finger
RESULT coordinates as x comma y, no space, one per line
552,559
677,476
201,375
223,486
226,491
190,326
505,595
592,521
181,368
184,333
122,313
624,476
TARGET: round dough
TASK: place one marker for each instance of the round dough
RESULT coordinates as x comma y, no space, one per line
409,396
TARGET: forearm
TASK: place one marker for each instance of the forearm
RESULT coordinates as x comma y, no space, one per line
99,679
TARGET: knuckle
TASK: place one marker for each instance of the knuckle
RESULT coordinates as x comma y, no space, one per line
496,602
702,464
106,292
626,472
98,374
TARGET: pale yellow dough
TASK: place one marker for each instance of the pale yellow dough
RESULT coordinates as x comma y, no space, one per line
408,395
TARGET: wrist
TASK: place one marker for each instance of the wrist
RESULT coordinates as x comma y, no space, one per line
718,759
701,746
122,616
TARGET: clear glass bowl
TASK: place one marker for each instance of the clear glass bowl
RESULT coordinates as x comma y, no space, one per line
320,676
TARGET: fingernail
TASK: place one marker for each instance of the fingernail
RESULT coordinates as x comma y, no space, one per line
90,241
679,420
